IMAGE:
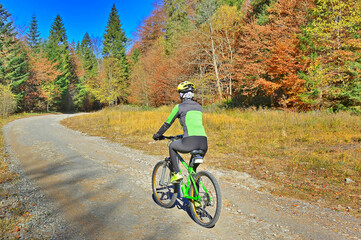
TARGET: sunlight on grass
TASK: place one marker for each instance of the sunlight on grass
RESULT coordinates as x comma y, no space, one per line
298,151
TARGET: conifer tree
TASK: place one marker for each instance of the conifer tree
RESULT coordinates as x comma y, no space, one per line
58,32
33,36
116,66
88,56
13,59
58,52
114,37
84,98
135,55
177,21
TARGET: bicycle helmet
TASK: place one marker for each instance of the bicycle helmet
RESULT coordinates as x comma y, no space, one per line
185,86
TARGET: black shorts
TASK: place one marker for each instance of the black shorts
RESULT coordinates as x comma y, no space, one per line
188,144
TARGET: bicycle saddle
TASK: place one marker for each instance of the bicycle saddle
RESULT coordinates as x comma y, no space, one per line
197,152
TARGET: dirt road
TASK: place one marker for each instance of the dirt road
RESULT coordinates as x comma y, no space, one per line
103,191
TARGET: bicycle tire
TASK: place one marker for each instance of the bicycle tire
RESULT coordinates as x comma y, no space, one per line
164,193
211,203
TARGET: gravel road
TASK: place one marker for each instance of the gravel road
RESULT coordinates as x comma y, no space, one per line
82,187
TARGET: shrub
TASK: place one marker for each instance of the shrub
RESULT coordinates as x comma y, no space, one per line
7,101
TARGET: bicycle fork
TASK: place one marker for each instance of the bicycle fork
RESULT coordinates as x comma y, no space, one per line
161,181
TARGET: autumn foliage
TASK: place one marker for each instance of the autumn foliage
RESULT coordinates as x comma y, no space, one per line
40,88
288,54
265,50
269,59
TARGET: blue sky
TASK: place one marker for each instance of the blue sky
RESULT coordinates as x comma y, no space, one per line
79,16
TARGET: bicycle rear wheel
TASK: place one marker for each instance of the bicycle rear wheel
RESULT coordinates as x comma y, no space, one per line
164,192
211,201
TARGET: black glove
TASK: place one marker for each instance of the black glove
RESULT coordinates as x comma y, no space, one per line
162,129
158,136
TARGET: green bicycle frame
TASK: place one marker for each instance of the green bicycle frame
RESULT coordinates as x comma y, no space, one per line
185,187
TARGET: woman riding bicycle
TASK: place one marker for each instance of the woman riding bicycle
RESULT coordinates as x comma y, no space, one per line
189,113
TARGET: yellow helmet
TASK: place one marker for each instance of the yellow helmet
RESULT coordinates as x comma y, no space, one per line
186,86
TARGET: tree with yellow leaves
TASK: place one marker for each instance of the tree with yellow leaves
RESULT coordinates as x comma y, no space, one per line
332,41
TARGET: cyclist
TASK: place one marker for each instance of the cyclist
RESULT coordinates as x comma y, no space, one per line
189,113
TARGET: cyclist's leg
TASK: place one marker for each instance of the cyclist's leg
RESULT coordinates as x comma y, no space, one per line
173,148
185,145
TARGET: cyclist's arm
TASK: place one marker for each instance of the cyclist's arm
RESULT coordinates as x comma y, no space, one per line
171,118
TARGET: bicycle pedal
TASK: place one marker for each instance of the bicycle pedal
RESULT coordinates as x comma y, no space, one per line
197,204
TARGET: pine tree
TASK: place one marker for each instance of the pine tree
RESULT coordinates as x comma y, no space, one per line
33,36
6,26
260,10
58,52
58,32
177,22
135,56
84,98
88,56
58,41
114,37
116,66
13,59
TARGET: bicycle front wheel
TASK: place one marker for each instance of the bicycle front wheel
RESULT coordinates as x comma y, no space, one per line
208,211
164,192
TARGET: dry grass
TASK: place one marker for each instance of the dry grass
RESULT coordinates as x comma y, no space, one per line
309,155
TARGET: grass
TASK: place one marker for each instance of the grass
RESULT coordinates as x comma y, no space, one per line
307,155
13,212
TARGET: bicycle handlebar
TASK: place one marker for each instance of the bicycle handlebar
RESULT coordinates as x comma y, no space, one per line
173,137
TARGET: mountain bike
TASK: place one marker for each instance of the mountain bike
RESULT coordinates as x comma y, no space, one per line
201,189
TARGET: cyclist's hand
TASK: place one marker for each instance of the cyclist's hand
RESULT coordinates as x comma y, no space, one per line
158,137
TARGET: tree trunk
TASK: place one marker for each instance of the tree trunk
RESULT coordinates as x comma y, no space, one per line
215,65
231,62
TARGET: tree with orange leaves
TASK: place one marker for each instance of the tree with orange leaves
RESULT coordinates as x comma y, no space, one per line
41,89
269,60
151,29
155,74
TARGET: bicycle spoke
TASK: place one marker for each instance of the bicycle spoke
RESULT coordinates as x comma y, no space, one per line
164,192
209,193
204,215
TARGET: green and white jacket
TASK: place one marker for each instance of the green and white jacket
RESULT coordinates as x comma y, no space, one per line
190,117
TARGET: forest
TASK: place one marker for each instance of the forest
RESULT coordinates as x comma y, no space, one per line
300,55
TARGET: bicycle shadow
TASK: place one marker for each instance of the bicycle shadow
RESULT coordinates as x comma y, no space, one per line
181,203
